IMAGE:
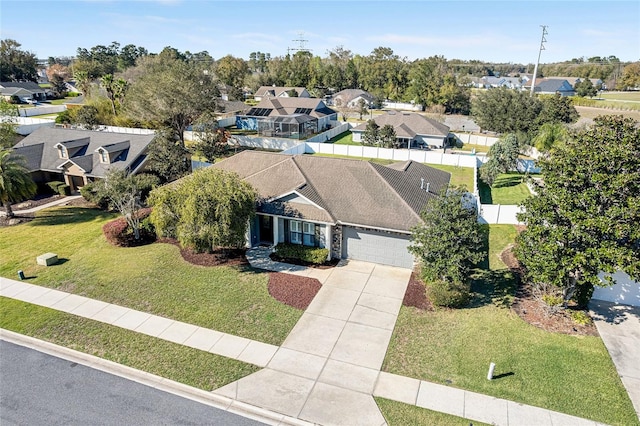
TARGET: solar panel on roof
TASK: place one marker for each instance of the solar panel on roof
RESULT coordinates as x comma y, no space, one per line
302,111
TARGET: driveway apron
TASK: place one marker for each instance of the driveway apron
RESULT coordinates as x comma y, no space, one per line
326,370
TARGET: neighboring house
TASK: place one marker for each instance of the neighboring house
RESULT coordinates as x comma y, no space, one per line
351,98
412,130
296,118
573,80
25,90
266,92
78,157
357,209
551,86
489,82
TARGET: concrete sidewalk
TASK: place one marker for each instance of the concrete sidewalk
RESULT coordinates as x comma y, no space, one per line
207,340
58,202
328,369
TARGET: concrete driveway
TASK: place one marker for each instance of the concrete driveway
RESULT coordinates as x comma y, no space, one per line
619,328
326,370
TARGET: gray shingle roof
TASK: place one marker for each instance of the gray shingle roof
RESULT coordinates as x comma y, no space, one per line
46,157
344,190
408,124
274,91
288,106
347,95
27,85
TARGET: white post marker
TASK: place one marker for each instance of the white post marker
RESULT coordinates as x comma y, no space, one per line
492,367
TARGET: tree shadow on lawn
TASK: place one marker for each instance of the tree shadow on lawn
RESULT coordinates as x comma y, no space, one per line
496,288
501,182
69,215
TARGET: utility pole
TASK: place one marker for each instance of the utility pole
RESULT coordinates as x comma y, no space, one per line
301,44
535,69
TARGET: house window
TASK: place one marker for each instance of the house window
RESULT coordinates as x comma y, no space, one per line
309,234
62,152
104,156
302,233
295,231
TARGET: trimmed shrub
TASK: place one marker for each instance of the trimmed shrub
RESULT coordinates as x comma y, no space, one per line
313,255
450,294
54,184
64,189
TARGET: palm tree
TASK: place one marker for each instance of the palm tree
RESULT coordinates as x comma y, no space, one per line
549,136
83,83
108,84
15,180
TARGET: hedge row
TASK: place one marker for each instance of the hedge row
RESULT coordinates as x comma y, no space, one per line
314,255
59,187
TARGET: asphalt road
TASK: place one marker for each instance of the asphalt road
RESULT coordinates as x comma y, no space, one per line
39,389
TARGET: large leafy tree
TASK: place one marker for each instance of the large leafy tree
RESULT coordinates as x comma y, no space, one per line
585,88
16,183
207,210
505,110
16,64
557,109
387,136
8,118
584,219
450,240
630,76
503,156
371,134
550,135
232,71
168,158
211,140
171,93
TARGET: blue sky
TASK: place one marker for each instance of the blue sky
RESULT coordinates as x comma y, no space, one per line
491,31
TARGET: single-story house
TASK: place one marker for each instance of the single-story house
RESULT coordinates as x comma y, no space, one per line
357,209
23,89
351,98
573,80
412,130
296,118
551,86
265,92
78,157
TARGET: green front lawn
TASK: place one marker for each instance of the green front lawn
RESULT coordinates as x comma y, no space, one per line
152,278
166,359
509,188
399,414
569,374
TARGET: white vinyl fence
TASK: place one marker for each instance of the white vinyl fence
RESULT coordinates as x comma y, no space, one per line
27,125
331,133
468,138
41,110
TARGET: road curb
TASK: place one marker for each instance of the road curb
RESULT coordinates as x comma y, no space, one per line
152,380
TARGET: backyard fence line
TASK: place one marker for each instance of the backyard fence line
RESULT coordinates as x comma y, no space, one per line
471,139
331,133
41,110
499,214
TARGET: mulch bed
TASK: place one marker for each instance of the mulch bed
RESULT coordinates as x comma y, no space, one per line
416,296
534,311
234,257
293,290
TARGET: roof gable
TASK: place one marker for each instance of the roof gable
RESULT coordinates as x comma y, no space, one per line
83,144
347,191
408,124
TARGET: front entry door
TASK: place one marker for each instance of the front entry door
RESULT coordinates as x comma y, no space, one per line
266,229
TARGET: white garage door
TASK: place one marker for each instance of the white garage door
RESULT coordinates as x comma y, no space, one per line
376,246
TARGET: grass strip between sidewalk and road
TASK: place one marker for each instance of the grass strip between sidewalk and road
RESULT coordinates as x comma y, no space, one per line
400,414
182,364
